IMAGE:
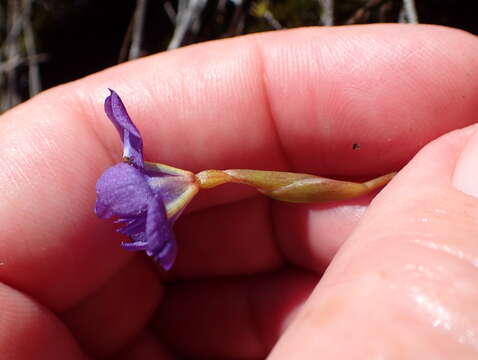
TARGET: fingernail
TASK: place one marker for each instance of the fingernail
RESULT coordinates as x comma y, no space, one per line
465,177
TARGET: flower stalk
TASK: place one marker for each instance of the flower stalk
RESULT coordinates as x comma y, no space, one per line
291,187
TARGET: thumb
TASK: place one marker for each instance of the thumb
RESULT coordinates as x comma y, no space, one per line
404,285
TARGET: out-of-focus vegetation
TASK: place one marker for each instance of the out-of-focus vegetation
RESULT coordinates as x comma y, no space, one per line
47,42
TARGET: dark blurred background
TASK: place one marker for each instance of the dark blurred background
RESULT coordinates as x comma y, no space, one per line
49,42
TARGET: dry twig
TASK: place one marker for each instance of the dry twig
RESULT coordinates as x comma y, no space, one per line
327,12
362,14
187,17
410,11
169,9
11,52
236,26
14,62
137,31
261,10
34,81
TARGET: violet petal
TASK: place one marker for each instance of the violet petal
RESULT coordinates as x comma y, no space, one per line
139,237
166,256
138,242
134,226
134,246
122,191
159,234
170,187
130,136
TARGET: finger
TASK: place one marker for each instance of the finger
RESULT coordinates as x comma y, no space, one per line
378,99
146,347
407,274
310,235
254,235
230,239
30,331
112,317
55,146
51,245
238,319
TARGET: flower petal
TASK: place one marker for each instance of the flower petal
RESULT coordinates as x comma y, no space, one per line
134,226
176,187
167,256
171,188
122,191
134,246
138,242
159,234
132,142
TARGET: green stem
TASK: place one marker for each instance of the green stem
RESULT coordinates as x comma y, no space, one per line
291,187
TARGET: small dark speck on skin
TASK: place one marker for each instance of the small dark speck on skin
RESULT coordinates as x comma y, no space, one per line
356,147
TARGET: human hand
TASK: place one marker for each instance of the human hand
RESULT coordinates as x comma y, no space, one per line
401,287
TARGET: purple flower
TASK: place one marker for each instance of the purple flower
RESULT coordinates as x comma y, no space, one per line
146,198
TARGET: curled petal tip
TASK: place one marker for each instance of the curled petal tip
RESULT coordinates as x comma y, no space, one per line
129,133
102,211
165,257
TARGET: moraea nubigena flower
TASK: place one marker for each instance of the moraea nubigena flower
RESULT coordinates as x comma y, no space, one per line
147,198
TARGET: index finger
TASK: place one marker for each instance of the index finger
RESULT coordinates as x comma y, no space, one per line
290,100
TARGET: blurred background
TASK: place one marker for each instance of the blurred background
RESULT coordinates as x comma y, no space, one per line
48,42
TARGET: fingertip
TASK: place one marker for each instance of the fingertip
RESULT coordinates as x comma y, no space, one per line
407,268
30,331
357,86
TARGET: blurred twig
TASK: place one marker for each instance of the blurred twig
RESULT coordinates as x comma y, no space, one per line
410,11
14,53
14,21
169,9
131,46
34,82
272,20
327,12
187,16
137,32
362,14
14,62
261,10
236,25
124,51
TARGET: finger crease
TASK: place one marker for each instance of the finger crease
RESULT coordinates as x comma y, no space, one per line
269,108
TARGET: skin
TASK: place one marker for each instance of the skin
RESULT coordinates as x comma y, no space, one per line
251,270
